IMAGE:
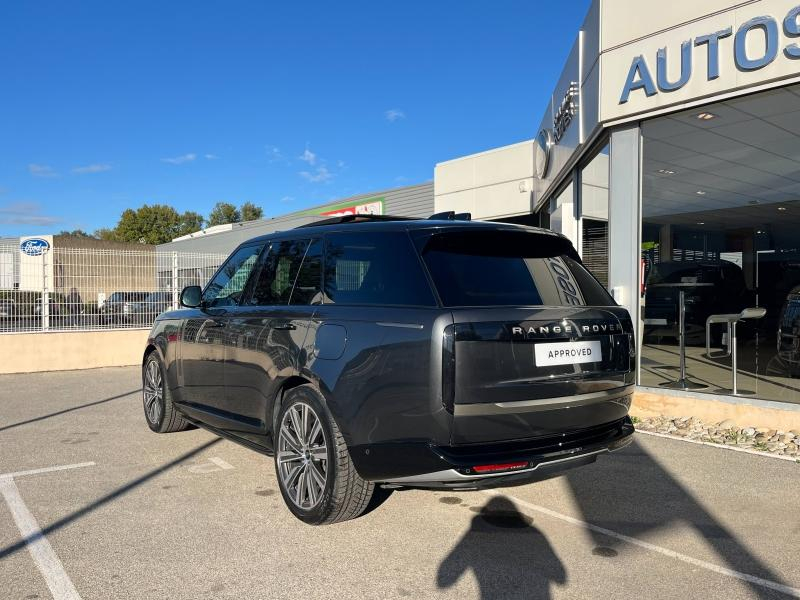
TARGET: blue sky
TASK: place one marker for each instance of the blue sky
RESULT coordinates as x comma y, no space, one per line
111,105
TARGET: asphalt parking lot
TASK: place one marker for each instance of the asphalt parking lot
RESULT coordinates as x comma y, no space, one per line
139,515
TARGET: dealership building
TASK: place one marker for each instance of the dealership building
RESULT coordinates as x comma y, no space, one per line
669,153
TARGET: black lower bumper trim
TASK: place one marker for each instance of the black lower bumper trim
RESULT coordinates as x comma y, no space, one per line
413,464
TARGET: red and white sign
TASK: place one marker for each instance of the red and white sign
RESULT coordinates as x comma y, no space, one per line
370,208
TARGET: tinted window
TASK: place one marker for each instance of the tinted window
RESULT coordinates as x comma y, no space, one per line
275,282
227,286
374,269
308,286
503,268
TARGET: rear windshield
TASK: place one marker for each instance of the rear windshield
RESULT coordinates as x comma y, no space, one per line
506,268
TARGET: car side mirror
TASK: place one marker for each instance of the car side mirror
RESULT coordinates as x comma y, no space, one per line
192,296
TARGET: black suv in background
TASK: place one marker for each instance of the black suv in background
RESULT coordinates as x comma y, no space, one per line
366,351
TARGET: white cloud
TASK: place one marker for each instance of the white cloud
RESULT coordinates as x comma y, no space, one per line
96,168
308,156
341,164
400,179
211,157
287,199
41,170
394,114
25,213
274,154
322,174
177,160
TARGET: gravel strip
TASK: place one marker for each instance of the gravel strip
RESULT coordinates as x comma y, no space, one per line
726,433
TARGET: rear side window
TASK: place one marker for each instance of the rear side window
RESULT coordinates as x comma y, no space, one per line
378,268
278,274
506,268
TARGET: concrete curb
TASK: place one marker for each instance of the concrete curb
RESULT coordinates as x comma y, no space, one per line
721,446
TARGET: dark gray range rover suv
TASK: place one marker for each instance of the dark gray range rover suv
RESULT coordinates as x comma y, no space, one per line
380,351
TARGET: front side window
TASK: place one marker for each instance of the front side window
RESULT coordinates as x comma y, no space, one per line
277,276
505,268
228,284
374,269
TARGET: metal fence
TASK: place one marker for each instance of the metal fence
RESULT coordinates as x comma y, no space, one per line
85,288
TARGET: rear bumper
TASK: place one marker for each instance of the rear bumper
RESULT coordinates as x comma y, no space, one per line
423,465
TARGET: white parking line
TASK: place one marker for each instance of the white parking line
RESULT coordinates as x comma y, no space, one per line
46,470
212,465
795,592
221,463
56,578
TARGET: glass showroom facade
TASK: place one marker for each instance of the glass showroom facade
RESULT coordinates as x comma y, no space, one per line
669,154
720,227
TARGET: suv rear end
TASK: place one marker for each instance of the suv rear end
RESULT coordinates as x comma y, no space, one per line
520,364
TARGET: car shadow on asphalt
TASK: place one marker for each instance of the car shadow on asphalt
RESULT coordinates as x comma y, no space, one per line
68,410
632,494
103,500
509,557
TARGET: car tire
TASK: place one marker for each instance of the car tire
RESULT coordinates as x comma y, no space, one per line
159,411
316,476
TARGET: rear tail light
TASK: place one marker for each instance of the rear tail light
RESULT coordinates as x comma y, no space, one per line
512,466
449,368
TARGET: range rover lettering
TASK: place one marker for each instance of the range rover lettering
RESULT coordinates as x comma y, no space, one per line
365,351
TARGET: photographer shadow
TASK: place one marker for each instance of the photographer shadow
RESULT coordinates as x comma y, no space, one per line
509,557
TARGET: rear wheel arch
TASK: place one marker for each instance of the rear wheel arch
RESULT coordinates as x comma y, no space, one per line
148,351
290,384
277,401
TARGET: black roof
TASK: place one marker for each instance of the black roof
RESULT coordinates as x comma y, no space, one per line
389,223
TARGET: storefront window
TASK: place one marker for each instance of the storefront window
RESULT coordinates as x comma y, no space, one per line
721,230
594,215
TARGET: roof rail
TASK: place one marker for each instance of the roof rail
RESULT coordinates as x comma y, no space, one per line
451,215
355,219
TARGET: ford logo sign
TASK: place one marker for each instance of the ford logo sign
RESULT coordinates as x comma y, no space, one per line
34,246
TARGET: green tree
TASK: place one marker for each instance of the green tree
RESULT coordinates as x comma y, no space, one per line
152,224
104,233
190,222
222,213
250,212
76,233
